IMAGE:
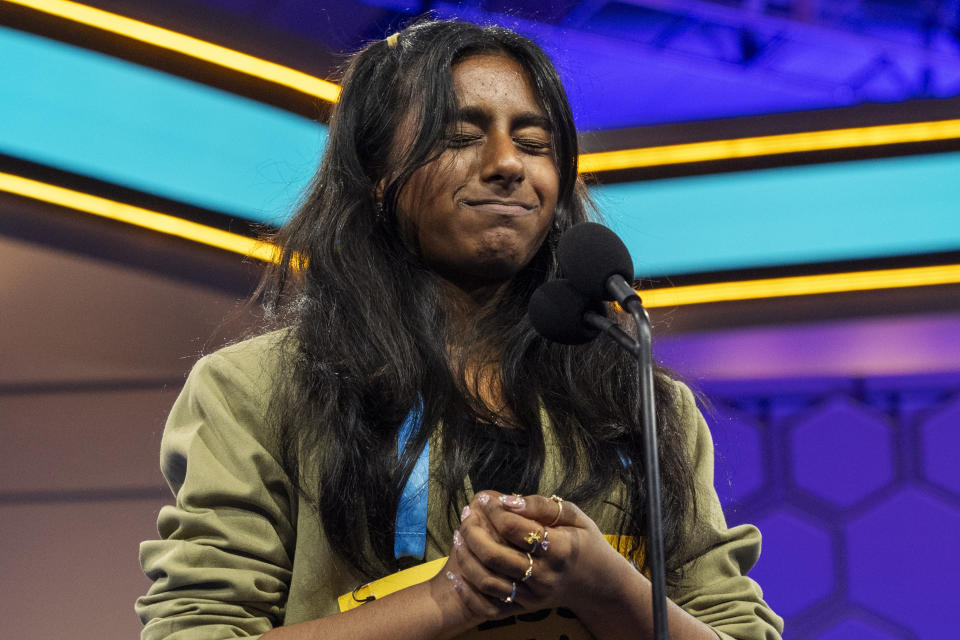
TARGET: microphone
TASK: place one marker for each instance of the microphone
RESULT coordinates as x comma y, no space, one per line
562,314
557,312
598,264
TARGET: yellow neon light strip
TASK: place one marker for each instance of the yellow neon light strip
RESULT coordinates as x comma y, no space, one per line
652,298
802,285
200,49
770,145
138,216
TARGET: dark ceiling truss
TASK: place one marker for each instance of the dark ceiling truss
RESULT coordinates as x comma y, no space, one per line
866,50
770,56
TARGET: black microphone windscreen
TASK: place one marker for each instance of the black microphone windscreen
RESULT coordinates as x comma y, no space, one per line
556,311
589,253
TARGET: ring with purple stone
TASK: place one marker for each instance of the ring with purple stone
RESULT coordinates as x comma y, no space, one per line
544,543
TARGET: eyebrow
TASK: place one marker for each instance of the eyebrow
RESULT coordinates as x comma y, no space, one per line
478,117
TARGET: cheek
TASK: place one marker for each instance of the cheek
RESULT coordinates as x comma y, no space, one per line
426,222
554,182
431,185
546,180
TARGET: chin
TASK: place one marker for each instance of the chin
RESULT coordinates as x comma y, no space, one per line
499,271
504,261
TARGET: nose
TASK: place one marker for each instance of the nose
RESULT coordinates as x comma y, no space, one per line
501,160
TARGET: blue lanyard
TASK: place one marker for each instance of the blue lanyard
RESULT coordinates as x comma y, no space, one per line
411,536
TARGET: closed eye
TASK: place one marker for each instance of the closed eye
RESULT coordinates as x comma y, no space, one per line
533,145
460,141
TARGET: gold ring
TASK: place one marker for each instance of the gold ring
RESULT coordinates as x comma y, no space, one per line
529,571
559,502
533,539
513,594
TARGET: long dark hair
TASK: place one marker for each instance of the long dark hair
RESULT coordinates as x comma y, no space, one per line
369,334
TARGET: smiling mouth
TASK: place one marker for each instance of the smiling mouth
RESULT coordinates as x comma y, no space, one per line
500,207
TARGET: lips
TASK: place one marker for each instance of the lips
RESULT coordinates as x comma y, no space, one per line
500,207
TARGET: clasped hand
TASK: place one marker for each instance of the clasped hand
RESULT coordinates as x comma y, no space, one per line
518,554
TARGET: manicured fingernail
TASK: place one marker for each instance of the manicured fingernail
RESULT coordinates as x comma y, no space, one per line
455,579
483,498
464,513
514,501
457,539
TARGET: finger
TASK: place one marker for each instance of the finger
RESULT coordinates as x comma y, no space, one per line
478,574
495,553
535,578
523,521
478,514
478,603
518,531
551,545
496,507
550,512
519,565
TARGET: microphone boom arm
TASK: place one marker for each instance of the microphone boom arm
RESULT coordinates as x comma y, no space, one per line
603,323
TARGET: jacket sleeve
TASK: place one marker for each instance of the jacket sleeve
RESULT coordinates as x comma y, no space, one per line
714,586
223,564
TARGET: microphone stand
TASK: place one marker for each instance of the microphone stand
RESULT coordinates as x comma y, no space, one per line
652,471
642,350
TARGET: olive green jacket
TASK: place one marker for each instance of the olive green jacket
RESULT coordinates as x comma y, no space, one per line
240,552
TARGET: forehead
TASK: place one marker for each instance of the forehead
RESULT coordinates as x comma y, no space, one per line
494,82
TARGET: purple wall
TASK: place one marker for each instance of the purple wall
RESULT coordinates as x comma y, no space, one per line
855,484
